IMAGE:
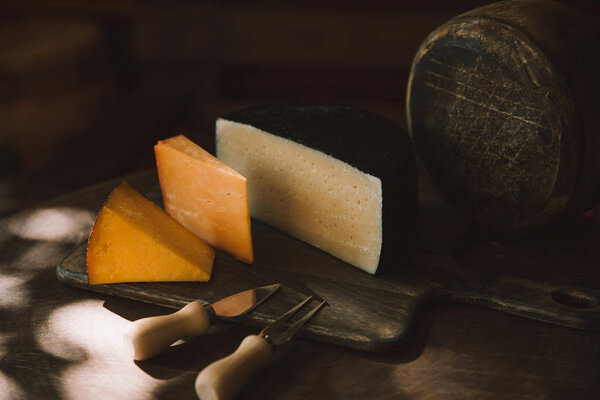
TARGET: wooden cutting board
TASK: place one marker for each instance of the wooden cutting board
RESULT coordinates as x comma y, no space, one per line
373,313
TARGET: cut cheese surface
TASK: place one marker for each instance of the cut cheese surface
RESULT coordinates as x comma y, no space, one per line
133,240
333,177
205,195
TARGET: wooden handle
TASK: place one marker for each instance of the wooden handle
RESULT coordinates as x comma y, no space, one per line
149,336
225,378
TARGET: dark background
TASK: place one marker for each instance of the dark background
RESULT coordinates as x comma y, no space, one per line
88,87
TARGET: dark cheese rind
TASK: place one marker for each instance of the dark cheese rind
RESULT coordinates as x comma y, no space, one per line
367,141
372,143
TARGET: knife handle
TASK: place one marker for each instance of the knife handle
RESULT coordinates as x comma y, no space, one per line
150,336
225,378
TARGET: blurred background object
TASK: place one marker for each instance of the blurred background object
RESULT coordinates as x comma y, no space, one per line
503,111
87,88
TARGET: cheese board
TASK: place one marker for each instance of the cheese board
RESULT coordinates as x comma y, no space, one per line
376,312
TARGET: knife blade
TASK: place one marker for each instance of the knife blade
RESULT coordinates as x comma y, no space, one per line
225,378
149,336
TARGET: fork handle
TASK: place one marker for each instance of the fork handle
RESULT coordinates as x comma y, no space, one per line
225,378
150,336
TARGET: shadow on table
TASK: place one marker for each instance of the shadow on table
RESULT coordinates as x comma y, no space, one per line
298,364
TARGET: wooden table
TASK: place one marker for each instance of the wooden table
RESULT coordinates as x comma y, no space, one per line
61,342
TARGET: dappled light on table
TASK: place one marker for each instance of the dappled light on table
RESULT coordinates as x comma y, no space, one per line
91,337
60,224
9,389
35,257
13,292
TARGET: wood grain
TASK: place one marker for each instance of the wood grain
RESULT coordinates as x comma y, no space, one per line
60,341
373,313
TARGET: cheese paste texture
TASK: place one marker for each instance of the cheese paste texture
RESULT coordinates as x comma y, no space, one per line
318,174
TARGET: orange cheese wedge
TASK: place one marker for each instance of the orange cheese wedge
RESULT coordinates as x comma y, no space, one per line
133,240
205,195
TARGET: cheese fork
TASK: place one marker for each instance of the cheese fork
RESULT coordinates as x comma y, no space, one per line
225,378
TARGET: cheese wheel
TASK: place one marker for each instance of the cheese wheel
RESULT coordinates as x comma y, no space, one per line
133,240
339,178
502,105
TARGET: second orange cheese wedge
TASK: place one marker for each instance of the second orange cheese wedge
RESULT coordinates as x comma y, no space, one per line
205,195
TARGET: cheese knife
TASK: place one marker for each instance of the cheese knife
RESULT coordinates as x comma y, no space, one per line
149,336
225,378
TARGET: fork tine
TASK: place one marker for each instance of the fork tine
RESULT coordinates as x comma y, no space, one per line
224,379
274,325
298,324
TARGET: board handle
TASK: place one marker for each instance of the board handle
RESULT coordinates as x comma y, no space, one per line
225,378
556,303
150,336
